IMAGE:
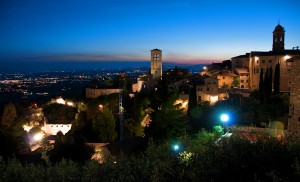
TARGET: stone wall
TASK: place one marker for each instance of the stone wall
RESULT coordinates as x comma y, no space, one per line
294,109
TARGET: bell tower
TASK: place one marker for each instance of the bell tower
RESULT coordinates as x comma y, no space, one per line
278,38
156,63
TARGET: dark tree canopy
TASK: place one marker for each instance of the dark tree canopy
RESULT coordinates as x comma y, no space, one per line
277,79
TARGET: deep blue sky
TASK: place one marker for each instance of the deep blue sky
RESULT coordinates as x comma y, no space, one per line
106,30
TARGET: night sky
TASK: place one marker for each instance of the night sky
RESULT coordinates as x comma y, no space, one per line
126,30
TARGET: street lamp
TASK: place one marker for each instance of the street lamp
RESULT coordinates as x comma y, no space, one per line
224,118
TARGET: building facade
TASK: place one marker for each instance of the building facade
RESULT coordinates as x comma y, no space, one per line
92,93
261,61
294,109
156,63
208,91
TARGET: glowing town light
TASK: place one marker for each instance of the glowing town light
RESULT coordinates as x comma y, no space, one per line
204,67
176,147
60,101
224,118
213,99
38,136
70,104
27,128
287,57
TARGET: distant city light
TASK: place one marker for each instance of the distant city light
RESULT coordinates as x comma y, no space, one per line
224,118
204,67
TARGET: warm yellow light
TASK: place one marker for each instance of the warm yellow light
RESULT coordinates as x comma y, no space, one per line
38,136
60,101
213,99
184,104
27,128
100,107
70,103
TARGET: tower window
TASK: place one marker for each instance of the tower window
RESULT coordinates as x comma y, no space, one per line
275,39
281,39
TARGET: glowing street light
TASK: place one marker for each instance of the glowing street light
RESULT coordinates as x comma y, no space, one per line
176,147
224,118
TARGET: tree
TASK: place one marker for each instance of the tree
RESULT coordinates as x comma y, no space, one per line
267,79
9,115
105,126
166,120
81,120
261,87
235,82
71,147
277,79
192,98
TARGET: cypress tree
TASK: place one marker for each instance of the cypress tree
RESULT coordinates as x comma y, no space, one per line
277,79
266,84
192,98
261,87
270,81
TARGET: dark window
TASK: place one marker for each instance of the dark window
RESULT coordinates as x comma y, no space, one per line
270,61
263,61
207,89
242,81
199,98
223,77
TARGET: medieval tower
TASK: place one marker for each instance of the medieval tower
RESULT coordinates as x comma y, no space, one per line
156,63
278,39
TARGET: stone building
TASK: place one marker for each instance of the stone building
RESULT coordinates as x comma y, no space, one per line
208,91
293,65
156,63
261,61
243,76
92,93
146,81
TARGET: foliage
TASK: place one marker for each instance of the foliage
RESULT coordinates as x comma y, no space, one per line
200,159
235,82
166,121
261,87
70,147
105,125
277,79
58,112
9,115
192,99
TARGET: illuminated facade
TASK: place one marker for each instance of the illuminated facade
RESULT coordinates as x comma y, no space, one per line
261,61
156,63
294,109
209,91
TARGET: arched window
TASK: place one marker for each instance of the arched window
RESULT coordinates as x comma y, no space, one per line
280,38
